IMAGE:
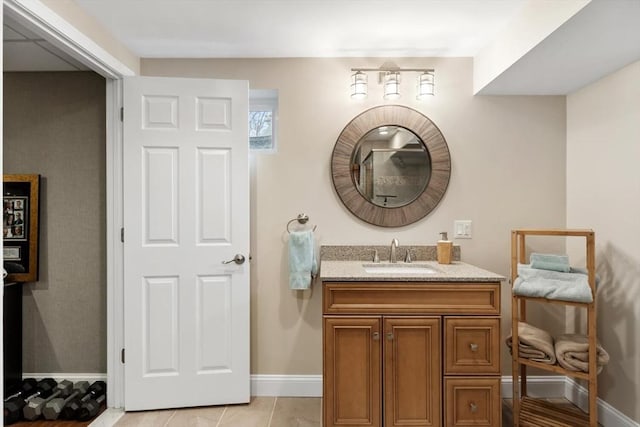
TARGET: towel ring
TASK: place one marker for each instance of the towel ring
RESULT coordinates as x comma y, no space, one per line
302,219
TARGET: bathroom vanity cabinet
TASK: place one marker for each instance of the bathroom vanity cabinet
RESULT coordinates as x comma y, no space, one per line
404,351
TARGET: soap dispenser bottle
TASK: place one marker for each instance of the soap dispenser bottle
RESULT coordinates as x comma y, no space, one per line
445,248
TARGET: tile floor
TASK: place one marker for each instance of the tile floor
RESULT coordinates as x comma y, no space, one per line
261,412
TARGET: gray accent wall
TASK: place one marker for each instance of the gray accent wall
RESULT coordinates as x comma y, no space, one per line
54,125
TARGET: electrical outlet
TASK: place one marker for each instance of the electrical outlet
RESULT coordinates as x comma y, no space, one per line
462,229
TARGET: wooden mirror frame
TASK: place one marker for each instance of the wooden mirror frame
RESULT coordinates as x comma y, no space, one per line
427,131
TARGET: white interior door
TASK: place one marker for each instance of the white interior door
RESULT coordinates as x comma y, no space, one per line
186,211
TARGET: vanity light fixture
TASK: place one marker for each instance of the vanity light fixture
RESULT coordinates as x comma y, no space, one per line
392,85
358,85
425,85
389,77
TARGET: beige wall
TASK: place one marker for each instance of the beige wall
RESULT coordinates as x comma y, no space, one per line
508,170
54,125
603,193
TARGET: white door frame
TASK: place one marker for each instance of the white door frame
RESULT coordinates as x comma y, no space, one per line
60,33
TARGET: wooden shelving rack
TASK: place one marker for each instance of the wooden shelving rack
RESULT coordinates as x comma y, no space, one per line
534,412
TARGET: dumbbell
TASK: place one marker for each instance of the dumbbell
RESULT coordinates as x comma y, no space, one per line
33,409
70,411
13,407
90,408
25,389
53,408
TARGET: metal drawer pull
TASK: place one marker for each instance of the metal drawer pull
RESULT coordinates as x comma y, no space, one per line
473,407
390,336
473,347
376,336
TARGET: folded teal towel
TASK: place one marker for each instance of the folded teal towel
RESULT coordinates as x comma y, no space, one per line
573,286
550,262
302,259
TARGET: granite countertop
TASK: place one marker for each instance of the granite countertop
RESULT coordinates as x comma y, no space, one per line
331,270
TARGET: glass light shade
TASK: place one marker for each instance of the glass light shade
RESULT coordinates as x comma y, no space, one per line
358,85
392,85
425,85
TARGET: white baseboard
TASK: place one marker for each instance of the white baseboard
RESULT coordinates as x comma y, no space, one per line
311,386
286,385
537,386
607,415
108,418
58,376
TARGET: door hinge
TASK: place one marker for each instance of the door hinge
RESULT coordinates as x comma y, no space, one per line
122,114
122,356
122,234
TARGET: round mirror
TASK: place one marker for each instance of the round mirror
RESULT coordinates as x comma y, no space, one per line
391,166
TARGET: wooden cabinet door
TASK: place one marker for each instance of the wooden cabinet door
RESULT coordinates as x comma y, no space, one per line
352,371
412,372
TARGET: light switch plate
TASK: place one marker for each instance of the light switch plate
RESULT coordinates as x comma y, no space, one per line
462,229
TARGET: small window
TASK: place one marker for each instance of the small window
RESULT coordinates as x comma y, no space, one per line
263,120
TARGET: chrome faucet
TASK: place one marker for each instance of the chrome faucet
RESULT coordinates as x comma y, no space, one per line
394,246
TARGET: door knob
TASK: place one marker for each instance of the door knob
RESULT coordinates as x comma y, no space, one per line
238,259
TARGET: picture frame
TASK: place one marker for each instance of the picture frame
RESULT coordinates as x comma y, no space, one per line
20,226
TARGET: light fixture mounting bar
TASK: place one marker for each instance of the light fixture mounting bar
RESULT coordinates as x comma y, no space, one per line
383,69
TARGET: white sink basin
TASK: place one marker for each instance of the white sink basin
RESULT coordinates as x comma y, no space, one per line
400,268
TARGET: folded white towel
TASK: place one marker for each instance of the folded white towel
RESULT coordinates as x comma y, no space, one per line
302,259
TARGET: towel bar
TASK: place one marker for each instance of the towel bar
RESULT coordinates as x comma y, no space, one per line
302,219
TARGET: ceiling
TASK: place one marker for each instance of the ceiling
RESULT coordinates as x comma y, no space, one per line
600,38
302,28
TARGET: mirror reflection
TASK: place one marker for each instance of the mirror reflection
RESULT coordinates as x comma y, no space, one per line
390,166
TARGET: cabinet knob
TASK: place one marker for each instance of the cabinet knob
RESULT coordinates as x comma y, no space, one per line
390,336
473,407
376,336
473,347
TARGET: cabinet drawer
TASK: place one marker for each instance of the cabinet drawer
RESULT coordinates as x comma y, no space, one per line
411,298
472,402
472,345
